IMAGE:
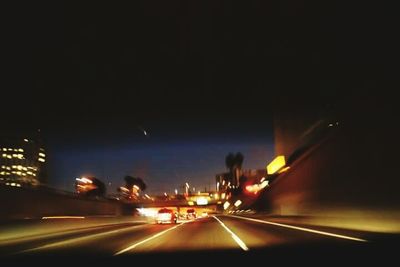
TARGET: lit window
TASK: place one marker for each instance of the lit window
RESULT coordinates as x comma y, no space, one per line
42,155
20,150
41,160
26,140
14,166
9,156
10,149
25,168
4,155
19,173
4,149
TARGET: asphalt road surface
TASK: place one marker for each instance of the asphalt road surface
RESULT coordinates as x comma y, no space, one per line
214,233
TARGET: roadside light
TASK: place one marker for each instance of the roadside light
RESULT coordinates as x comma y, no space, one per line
238,202
226,205
264,184
276,164
176,191
284,169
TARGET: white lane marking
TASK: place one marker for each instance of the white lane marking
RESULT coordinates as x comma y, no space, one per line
235,237
148,239
78,239
62,217
300,228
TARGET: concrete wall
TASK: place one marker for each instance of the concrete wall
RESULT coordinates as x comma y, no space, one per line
19,203
349,179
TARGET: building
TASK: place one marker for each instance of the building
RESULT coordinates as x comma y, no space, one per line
22,160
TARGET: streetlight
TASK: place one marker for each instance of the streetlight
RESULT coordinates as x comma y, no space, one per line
176,191
187,189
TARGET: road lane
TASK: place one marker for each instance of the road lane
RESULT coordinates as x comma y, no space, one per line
203,234
299,228
256,234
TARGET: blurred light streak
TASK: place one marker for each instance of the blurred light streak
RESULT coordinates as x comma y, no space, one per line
237,203
226,205
63,217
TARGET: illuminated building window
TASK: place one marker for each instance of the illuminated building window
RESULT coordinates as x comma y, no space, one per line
26,140
10,149
9,156
42,155
4,155
41,160
20,150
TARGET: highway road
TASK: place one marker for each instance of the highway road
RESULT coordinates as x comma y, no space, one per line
213,233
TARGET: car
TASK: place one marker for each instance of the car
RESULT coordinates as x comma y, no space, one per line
204,214
166,216
190,214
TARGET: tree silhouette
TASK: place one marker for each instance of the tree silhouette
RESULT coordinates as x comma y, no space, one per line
99,190
131,181
234,163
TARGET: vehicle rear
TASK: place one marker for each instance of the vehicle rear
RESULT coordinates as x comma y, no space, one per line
166,216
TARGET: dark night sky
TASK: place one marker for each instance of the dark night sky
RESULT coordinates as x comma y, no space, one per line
197,75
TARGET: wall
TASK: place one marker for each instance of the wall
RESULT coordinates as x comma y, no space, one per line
19,203
349,179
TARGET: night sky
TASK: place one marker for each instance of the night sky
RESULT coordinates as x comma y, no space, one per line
204,78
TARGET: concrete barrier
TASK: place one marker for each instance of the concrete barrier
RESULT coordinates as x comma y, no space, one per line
22,203
349,179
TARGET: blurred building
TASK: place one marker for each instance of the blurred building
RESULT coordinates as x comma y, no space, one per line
22,160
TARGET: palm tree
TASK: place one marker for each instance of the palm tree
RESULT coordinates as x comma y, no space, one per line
234,163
